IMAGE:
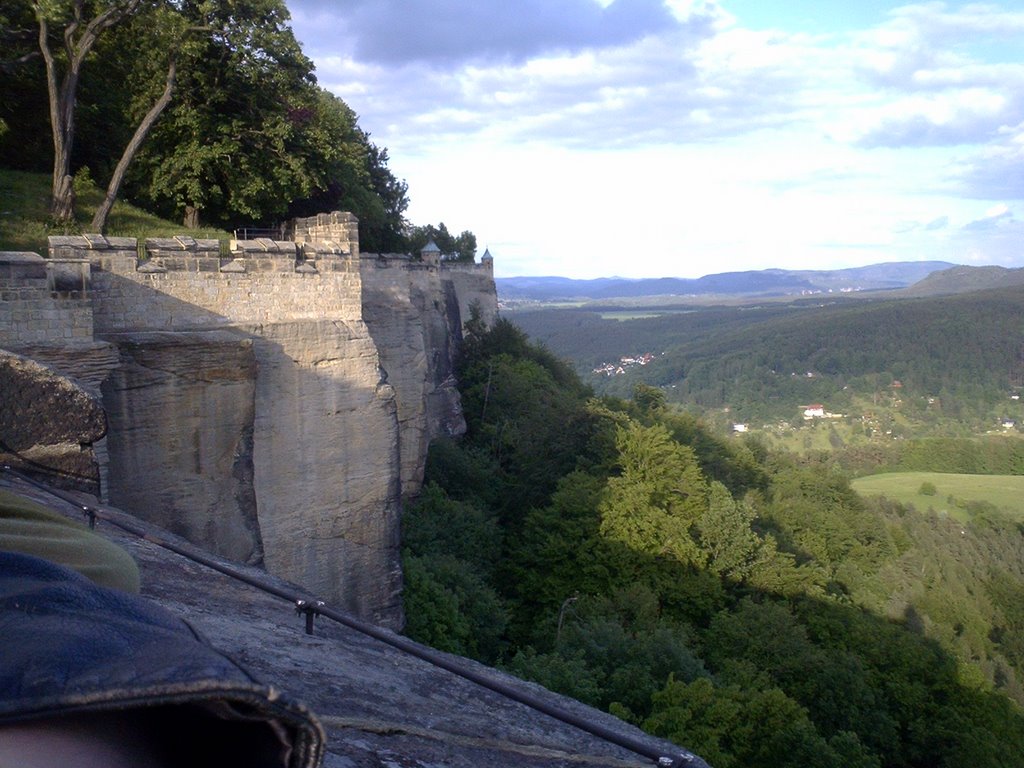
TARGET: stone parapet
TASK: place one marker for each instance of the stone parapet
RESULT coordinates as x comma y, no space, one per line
328,256
21,268
388,261
185,283
484,267
340,227
71,246
115,254
181,254
266,255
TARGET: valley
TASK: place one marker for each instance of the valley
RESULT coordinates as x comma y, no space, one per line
891,367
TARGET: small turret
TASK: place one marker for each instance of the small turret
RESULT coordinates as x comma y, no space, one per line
431,254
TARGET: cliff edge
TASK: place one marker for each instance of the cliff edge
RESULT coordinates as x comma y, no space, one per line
272,401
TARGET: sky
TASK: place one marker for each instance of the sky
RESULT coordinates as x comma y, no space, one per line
679,138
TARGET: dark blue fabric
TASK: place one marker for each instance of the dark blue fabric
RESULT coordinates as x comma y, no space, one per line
69,645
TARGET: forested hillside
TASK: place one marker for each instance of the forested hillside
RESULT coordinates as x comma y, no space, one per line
958,358
746,604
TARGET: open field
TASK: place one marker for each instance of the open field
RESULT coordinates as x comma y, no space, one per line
952,492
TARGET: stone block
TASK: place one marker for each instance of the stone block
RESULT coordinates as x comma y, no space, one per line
18,266
233,266
151,267
169,244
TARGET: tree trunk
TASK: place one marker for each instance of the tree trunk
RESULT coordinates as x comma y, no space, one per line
99,221
191,220
78,41
62,204
62,191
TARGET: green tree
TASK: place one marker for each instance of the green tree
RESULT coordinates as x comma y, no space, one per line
450,551
528,412
461,247
23,103
654,505
231,145
559,555
348,172
78,25
726,535
731,726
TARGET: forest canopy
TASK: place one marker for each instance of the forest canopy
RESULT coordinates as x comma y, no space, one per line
745,603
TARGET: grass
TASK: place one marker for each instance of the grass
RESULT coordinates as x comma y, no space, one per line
25,222
625,315
953,493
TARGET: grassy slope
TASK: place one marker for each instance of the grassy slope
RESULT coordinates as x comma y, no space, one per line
25,224
1003,491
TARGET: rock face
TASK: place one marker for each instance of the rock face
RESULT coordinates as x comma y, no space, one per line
48,423
181,409
273,405
326,465
413,317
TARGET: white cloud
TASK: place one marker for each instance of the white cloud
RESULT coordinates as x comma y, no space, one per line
704,145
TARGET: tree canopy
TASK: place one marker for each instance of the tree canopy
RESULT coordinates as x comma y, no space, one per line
746,604
204,111
461,247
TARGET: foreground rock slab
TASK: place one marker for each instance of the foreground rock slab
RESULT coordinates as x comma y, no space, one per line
381,707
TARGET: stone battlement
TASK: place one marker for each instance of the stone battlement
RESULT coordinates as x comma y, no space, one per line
339,228
94,285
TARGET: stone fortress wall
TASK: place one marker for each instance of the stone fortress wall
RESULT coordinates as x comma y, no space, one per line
39,305
93,285
273,402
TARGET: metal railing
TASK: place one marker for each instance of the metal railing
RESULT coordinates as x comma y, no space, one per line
252,233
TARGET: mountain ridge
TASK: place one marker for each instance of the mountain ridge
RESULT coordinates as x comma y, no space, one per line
766,282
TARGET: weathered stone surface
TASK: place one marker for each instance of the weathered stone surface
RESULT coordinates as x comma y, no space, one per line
181,411
474,286
87,363
19,266
326,464
381,708
48,421
414,322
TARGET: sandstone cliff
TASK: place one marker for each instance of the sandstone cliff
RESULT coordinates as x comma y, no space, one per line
272,404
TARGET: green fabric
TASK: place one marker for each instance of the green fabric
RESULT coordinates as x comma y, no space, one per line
32,529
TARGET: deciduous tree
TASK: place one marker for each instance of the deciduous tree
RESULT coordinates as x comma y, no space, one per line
79,25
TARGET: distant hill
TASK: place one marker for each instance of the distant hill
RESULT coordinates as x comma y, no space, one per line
965,279
767,282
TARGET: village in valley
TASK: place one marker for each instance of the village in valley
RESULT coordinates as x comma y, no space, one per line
624,364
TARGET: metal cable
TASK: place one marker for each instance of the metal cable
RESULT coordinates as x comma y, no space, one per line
311,607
